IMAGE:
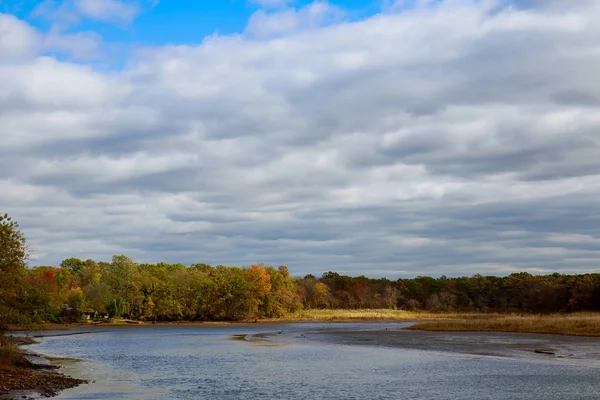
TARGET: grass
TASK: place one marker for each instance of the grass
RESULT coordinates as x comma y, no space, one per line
376,315
578,324
9,354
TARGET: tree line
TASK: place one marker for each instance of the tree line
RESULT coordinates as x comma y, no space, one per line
201,292
166,292
517,292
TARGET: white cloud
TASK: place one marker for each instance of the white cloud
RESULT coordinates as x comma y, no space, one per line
107,10
411,142
17,39
263,24
65,14
79,45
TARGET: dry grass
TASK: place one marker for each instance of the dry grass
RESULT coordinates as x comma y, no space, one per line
9,354
377,315
579,324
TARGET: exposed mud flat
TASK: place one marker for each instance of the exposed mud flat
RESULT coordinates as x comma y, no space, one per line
568,349
20,382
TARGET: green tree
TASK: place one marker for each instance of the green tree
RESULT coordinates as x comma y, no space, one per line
123,277
282,296
98,295
74,264
117,308
90,272
13,257
76,300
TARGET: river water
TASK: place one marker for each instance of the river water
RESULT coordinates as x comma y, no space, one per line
322,361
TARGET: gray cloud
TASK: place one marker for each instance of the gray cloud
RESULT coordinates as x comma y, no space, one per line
453,138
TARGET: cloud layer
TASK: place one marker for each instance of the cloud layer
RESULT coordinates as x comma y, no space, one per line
449,138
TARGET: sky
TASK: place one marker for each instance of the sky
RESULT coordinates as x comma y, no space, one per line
385,138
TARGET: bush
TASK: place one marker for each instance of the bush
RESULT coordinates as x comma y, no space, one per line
54,318
9,355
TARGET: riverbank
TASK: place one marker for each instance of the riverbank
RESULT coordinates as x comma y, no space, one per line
579,324
297,316
22,378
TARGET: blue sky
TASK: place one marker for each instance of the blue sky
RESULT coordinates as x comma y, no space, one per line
426,137
180,21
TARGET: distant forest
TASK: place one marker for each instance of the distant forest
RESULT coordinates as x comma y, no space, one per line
200,292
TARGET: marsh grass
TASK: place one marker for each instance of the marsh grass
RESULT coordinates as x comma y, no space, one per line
578,324
377,315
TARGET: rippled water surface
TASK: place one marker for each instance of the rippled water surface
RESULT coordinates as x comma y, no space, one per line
302,361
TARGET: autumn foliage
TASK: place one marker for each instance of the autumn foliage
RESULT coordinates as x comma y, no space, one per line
123,288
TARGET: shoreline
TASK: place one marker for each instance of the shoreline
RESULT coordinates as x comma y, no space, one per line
32,376
575,324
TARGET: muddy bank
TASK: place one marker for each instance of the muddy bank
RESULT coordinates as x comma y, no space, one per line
565,349
91,325
32,376
16,382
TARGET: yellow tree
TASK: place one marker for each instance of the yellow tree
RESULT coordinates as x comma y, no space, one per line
282,296
321,294
260,282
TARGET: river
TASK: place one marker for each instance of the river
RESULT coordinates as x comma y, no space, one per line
322,361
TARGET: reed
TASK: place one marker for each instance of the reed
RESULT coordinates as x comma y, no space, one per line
577,324
377,315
